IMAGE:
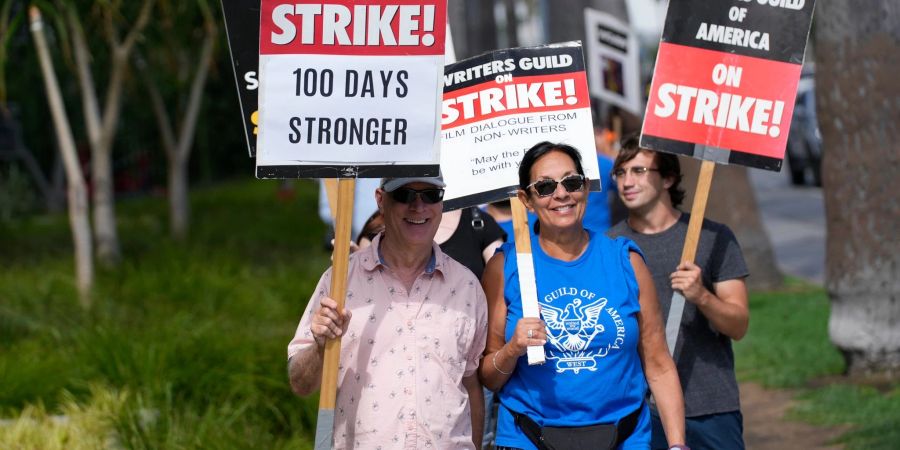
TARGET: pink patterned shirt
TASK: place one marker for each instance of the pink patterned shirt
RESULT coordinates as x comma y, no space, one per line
404,355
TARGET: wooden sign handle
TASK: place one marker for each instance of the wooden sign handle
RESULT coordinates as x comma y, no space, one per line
698,211
520,225
331,193
340,262
689,252
527,281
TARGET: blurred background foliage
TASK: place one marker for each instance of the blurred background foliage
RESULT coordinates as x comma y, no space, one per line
168,45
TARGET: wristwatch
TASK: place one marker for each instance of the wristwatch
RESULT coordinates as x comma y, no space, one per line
679,447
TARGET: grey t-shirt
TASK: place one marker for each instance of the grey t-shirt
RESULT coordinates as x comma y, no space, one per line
704,356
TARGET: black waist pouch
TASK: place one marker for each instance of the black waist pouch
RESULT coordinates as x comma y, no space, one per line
604,436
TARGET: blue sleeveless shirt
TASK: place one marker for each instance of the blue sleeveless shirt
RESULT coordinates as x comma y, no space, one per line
593,373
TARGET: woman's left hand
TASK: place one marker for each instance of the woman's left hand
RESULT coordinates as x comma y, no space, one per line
529,331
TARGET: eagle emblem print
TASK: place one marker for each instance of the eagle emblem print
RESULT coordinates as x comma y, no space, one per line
576,319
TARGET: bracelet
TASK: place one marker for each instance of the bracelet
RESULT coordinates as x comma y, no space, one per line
497,368
679,447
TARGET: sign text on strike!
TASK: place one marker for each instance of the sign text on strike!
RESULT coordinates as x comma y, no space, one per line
362,25
721,109
524,94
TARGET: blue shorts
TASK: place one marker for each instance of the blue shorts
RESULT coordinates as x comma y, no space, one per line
710,432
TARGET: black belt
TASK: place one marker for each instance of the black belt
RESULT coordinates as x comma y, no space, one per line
534,432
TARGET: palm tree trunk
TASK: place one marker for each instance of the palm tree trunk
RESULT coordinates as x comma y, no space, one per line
859,112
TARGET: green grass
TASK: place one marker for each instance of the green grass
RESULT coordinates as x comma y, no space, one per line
874,416
192,335
787,346
787,343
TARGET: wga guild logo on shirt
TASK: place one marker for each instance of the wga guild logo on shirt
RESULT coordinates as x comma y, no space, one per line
575,318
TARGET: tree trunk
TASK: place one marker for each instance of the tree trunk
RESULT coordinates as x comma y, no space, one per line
77,190
179,203
732,202
512,23
456,18
102,125
859,113
480,27
565,18
178,150
105,233
81,236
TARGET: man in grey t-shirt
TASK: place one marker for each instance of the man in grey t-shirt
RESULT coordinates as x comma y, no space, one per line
716,311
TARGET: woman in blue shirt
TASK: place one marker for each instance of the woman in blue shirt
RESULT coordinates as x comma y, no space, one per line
602,329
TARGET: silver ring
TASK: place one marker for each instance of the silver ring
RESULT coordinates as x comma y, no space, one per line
530,334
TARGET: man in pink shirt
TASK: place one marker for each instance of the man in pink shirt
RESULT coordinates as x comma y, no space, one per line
409,354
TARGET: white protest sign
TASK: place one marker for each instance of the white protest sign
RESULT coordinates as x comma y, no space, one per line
612,61
350,88
498,105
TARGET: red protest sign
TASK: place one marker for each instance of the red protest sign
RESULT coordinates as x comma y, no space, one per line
525,95
729,102
726,77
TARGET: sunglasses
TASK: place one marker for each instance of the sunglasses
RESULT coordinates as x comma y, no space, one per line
546,187
407,195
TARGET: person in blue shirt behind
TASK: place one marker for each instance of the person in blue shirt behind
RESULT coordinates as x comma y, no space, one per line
501,211
597,217
600,326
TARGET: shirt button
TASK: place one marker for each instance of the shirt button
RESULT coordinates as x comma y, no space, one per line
409,323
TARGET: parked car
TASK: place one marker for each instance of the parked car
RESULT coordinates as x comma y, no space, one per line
804,146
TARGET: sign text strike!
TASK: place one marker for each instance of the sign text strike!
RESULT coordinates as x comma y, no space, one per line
511,97
363,25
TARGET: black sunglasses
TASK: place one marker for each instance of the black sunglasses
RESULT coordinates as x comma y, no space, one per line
408,195
546,187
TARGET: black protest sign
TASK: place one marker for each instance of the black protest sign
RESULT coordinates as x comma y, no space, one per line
726,78
242,28
768,29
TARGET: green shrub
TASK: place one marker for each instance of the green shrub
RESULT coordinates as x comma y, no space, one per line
17,195
79,426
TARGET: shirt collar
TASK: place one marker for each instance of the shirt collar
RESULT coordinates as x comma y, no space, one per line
372,257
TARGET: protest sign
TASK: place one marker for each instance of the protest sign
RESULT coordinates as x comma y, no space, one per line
612,61
726,79
242,28
498,105
350,89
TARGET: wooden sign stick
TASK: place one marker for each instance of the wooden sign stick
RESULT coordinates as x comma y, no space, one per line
527,281
689,253
340,262
331,193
